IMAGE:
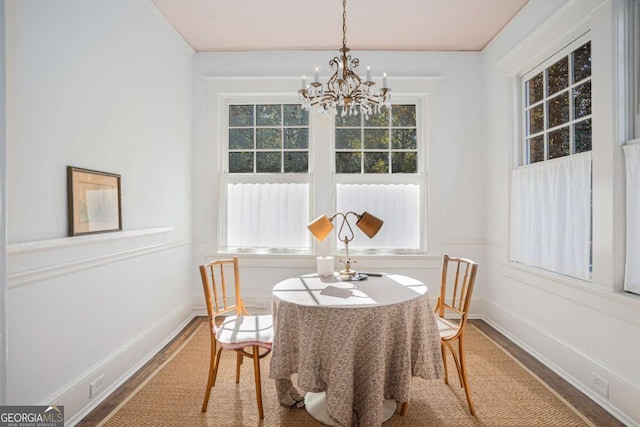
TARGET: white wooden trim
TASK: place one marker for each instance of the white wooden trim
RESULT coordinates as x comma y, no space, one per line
43,245
35,275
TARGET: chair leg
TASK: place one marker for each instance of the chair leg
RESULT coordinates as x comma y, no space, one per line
239,358
465,379
456,360
443,350
256,369
403,408
212,375
215,370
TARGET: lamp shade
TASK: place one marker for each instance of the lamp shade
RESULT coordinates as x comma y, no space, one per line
369,224
320,227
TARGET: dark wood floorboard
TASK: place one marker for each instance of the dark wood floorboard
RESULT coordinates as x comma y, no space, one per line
579,400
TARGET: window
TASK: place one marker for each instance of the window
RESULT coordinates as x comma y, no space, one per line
551,200
557,105
274,176
267,186
376,170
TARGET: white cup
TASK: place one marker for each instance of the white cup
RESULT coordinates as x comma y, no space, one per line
325,266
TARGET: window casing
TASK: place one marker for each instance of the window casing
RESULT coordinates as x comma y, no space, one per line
556,105
266,202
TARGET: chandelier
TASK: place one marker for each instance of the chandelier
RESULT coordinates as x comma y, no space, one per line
345,88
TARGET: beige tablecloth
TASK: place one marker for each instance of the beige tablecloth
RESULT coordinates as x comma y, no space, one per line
360,342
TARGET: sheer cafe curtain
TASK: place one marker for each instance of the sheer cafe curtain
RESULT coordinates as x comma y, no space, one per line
270,216
632,266
551,215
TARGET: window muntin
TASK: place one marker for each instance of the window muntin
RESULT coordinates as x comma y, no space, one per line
557,106
384,142
268,138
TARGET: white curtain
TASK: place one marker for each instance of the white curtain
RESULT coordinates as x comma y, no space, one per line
398,205
551,215
269,216
632,269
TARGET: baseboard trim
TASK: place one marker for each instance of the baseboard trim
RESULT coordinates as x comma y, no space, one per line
119,365
626,392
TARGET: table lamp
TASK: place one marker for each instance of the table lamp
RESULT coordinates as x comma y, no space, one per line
322,226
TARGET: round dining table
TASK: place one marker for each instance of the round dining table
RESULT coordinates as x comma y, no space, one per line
354,345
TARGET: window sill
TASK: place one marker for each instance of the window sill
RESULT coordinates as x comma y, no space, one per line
362,261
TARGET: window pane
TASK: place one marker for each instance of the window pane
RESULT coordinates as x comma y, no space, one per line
534,90
296,138
376,139
398,205
404,163
241,162
558,109
241,115
268,138
268,216
348,138
536,149
582,135
581,58
295,115
240,139
403,116
268,115
268,161
558,76
347,121
582,100
296,161
405,139
535,120
376,162
559,143
348,162
378,119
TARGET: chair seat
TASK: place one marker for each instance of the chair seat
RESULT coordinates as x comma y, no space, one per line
447,328
237,332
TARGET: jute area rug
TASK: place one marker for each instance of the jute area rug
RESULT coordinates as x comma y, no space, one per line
504,392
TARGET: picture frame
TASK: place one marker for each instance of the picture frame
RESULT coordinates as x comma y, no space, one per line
94,201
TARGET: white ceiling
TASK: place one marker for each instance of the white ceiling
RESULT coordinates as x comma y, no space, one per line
401,25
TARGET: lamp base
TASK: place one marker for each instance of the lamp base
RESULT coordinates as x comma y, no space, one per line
348,274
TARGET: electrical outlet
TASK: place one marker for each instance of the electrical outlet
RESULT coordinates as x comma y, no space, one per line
95,388
600,385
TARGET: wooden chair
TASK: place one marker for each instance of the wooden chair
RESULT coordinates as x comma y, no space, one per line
236,332
458,276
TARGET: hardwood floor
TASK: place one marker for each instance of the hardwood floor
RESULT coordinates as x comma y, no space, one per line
580,401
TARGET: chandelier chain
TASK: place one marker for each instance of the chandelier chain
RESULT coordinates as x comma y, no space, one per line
344,24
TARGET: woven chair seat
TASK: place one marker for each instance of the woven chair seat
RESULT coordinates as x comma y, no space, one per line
447,328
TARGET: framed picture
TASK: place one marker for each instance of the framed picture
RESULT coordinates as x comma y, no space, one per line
94,201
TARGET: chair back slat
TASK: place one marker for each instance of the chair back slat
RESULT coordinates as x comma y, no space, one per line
456,287
217,296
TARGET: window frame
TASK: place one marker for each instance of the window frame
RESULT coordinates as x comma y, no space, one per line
220,90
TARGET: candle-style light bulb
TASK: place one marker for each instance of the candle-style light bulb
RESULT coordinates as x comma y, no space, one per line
304,82
384,80
368,73
316,75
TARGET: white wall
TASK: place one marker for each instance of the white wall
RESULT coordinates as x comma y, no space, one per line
455,160
577,328
104,86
